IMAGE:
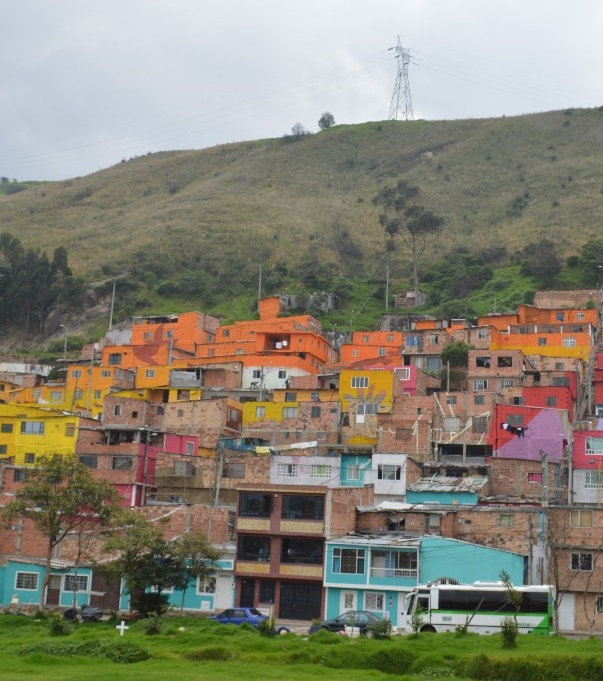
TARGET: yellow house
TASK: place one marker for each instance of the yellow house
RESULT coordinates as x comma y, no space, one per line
366,392
257,412
29,432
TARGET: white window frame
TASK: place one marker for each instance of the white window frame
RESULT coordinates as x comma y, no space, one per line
149,373
82,582
76,373
403,374
290,412
320,470
568,342
287,470
480,384
206,585
389,471
260,412
359,382
190,447
24,577
593,479
353,472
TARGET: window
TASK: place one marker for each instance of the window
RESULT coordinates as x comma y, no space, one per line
206,585
482,333
160,410
260,412
581,561
569,342
148,335
389,472
479,384
381,352
506,383
374,601
551,401
211,352
480,424
353,472
30,458
190,448
355,353
451,399
121,463
518,401
286,470
255,505
321,471
76,373
115,358
32,427
515,420
302,507
290,397
506,519
348,561
234,470
403,374
27,581
117,410
254,548
180,413
225,333
106,373
298,550
434,363
479,399
267,591
97,394
6,428
183,394
315,397
282,374
360,381
56,396
256,373
581,518
599,605
168,334
3,449
505,361
412,341
75,583
149,373
558,366
593,480
184,469
432,523
433,339
238,351
290,412
535,477
594,445
88,460
483,362
561,381
542,341
366,409
78,394
315,412
390,337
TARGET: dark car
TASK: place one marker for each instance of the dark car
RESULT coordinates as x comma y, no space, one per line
351,618
239,615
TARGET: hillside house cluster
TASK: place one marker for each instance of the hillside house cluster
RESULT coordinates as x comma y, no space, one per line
335,471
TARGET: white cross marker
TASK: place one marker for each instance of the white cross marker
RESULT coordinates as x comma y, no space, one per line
122,627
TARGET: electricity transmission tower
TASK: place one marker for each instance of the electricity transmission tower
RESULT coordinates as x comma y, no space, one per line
401,106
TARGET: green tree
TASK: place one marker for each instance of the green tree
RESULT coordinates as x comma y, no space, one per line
591,262
326,120
60,497
541,261
456,353
404,218
148,563
198,557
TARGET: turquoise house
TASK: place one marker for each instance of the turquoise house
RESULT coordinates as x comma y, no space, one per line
354,469
23,580
446,491
376,572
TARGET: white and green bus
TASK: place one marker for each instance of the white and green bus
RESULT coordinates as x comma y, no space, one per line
480,607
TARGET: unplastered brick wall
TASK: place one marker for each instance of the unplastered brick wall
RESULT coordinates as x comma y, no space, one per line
504,527
521,478
341,503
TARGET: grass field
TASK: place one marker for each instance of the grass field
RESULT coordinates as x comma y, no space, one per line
194,648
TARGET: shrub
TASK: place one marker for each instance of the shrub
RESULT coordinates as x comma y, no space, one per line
58,626
509,632
267,628
381,630
123,652
152,625
212,653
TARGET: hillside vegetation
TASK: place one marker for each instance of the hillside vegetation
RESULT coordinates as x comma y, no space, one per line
190,229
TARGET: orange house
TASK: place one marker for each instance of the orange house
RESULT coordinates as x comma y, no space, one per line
372,344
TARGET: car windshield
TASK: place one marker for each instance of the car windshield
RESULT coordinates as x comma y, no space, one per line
255,611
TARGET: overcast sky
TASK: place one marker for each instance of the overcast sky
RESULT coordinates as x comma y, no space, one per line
86,83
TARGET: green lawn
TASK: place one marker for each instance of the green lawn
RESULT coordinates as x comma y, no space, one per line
193,648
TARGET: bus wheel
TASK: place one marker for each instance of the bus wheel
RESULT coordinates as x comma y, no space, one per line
283,630
428,629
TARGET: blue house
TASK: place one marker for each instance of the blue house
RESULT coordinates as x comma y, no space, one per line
369,572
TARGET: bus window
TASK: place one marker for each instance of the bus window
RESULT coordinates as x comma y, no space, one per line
410,604
424,603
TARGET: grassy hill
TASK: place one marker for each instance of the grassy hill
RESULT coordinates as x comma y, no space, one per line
191,228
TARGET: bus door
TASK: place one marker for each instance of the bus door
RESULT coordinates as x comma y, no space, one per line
423,604
407,611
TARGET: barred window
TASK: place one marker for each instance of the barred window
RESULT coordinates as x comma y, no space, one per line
374,601
28,581
480,424
234,470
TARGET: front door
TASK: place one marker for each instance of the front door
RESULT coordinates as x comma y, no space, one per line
224,597
299,600
348,601
247,593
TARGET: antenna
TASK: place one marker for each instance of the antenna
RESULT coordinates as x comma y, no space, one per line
401,106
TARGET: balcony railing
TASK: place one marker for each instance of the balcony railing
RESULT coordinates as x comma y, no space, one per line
394,573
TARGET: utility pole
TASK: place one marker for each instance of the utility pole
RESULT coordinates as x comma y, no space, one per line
401,104
259,288
387,285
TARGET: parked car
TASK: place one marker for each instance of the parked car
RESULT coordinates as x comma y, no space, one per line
351,618
239,615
